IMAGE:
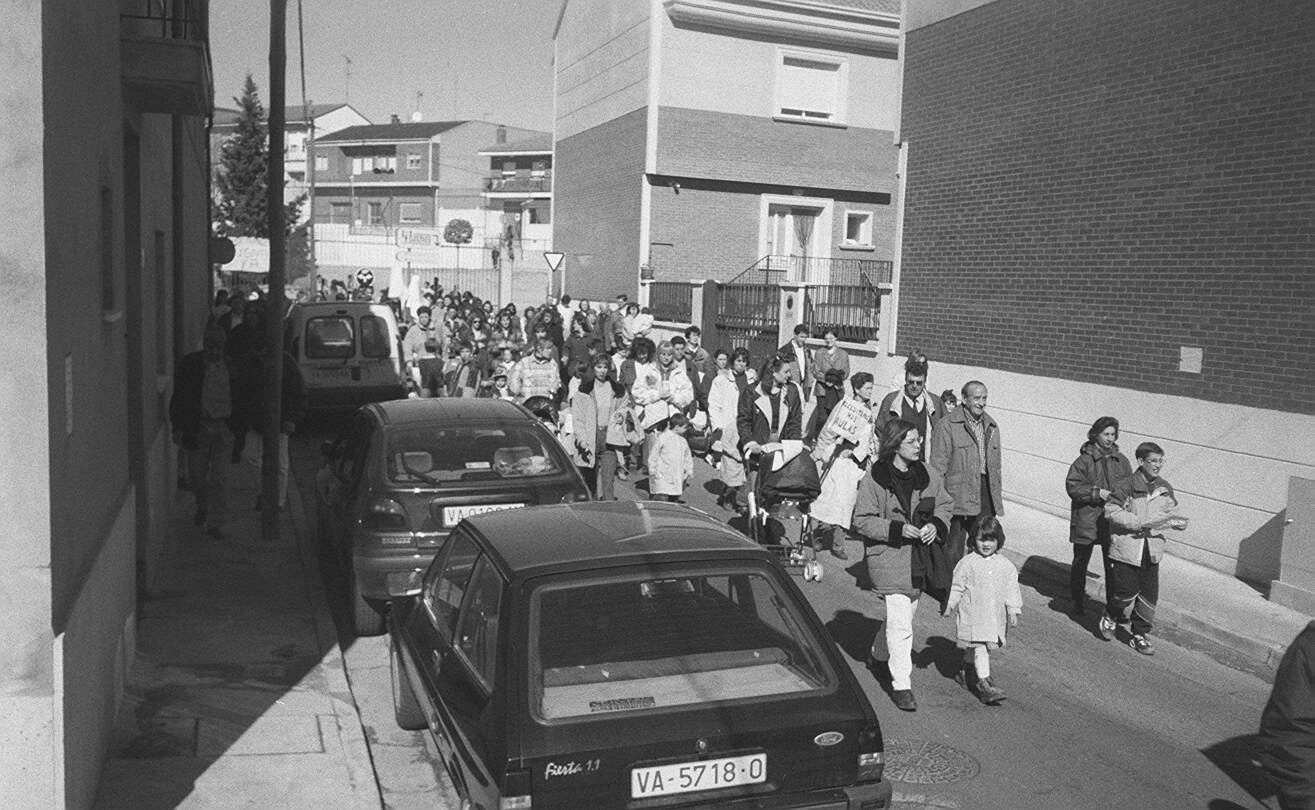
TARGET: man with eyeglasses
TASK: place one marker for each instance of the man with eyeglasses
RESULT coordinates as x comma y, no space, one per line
913,403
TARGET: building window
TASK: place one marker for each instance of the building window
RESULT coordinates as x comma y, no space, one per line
321,163
538,215
538,168
413,161
508,168
409,212
358,165
340,212
375,212
858,228
811,87
385,164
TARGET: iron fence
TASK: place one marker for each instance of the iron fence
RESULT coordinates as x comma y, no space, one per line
852,311
670,300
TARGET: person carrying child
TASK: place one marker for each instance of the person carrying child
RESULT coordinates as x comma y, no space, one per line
1136,546
671,464
986,594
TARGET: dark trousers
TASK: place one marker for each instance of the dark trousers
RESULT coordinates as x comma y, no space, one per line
959,524
601,479
1077,572
1136,590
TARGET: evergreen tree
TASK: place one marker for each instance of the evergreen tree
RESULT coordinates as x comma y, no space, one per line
244,169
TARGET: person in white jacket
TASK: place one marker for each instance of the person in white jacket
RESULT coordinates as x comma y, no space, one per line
671,464
723,400
660,390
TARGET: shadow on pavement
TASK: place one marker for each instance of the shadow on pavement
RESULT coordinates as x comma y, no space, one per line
1236,757
941,653
1050,579
853,633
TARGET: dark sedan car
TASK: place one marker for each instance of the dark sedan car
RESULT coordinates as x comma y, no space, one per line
621,654
405,472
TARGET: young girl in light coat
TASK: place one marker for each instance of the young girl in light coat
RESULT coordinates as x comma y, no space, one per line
986,594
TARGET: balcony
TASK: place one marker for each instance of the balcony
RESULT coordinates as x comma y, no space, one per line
518,185
165,59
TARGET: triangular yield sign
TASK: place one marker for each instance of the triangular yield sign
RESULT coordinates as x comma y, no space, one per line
554,260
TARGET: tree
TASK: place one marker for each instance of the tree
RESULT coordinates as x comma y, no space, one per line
242,179
458,232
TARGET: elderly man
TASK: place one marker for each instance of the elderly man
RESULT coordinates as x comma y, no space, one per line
913,403
199,410
965,450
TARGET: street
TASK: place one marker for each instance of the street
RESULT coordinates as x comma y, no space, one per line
1088,723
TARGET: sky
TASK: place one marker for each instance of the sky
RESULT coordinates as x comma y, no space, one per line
471,59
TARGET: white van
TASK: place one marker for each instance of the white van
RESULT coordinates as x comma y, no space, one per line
348,352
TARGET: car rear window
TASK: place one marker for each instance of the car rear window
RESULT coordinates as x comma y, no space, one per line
464,453
642,645
331,337
375,339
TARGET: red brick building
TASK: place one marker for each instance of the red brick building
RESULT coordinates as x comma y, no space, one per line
695,139
1109,207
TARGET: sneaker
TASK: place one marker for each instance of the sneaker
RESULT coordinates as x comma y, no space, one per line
1106,628
988,693
1141,644
903,699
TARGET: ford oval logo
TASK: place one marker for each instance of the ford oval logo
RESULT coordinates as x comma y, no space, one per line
829,738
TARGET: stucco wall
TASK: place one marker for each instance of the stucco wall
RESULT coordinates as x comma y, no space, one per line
718,72
601,63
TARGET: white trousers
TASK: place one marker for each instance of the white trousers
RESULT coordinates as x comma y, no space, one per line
897,640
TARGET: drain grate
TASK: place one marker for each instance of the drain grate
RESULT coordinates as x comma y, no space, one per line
921,762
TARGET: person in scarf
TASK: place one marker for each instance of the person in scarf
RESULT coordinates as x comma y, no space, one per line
1099,471
902,516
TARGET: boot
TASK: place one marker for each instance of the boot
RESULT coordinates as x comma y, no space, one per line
988,693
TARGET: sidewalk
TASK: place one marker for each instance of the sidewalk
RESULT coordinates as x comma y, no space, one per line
238,695
1199,607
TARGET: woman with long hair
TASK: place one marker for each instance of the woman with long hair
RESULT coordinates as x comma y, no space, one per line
598,426
1099,471
723,402
902,512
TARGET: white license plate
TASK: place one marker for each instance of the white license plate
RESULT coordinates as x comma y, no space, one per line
333,373
707,774
452,515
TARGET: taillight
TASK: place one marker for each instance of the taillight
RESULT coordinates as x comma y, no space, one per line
385,515
871,758
572,497
516,790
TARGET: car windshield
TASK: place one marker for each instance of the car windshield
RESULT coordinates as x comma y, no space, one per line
436,455
642,645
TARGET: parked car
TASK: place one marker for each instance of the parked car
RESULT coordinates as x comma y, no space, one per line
347,351
404,473
622,654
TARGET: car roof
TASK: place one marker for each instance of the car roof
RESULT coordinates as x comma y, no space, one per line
402,412
611,532
316,308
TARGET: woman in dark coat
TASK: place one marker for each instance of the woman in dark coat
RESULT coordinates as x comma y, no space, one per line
901,512
1099,471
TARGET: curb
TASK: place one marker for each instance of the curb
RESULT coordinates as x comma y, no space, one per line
351,732
1232,648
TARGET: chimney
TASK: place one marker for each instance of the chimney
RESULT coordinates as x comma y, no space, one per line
502,134
416,117
393,119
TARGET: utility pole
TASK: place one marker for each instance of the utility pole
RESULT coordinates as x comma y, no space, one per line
276,301
313,274
347,80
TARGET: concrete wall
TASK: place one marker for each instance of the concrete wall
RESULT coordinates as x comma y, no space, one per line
601,63
30,736
1106,185
597,185
718,72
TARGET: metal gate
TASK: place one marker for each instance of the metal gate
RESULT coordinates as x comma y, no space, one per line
746,315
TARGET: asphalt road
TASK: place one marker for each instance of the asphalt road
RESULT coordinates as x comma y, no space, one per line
1088,723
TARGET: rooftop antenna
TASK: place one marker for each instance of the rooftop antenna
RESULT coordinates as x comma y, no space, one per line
347,79
416,115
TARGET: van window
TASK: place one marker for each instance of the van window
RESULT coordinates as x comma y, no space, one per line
330,338
375,339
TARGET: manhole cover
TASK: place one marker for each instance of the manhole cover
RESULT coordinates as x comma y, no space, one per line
920,762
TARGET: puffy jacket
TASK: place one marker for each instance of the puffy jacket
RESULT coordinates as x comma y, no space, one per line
954,456
880,517
1093,470
1137,519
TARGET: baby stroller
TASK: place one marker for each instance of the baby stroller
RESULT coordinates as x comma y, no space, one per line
779,519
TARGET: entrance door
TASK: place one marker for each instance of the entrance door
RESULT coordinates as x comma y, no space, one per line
792,235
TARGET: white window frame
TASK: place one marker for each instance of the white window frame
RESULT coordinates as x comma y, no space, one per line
370,208
358,165
824,237
413,161
321,163
865,230
836,117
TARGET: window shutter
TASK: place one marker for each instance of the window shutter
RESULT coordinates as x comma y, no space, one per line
809,88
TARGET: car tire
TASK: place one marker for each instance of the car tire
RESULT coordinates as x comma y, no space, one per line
367,620
406,709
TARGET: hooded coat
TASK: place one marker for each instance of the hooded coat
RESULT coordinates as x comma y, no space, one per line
1094,469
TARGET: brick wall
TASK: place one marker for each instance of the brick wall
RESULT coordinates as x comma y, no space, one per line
597,182
1093,185
703,233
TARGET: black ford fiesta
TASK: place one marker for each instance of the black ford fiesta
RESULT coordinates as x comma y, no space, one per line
631,655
